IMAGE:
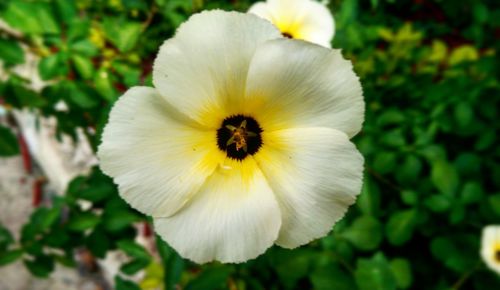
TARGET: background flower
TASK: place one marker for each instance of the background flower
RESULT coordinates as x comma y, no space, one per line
490,247
300,19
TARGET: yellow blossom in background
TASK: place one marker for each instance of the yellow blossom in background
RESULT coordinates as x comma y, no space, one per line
490,247
299,19
242,144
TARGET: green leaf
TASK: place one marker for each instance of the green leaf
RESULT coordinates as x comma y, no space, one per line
464,114
19,14
98,242
401,269
122,34
46,18
445,177
384,162
41,266
365,233
410,170
122,284
119,220
66,10
211,279
31,18
486,140
472,192
8,143
97,192
438,203
332,277
83,66
400,226
133,249
452,255
52,66
369,199
5,238
12,53
78,29
374,274
134,266
300,260
17,94
409,197
468,164
84,48
171,262
49,218
83,221
434,153
481,12
494,202
79,95
10,256
391,117
57,237
393,138
104,86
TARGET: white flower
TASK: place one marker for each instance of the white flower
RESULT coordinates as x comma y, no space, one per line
243,143
300,19
490,247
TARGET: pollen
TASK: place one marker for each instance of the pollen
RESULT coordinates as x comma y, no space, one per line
239,136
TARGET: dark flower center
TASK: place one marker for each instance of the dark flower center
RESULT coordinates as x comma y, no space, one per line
287,35
497,255
239,136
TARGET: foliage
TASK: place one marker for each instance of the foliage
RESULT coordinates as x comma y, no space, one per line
429,71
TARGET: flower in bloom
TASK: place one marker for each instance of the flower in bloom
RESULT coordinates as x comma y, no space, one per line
300,19
242,144
490,247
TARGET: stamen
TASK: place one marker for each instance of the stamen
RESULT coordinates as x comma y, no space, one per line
239,136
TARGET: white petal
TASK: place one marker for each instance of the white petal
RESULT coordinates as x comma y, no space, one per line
262,9
490,245
202,70
315,174
299,84
234,218
303,19
157,158
317,24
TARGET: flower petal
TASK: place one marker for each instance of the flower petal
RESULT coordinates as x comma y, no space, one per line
157,158
317,24
315,174
235,217
302,19
202,70
298,84
263,10
490,244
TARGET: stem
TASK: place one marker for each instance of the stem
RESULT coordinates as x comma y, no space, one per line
382,179
151,14
465,276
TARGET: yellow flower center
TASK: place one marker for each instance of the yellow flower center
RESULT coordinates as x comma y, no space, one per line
497,253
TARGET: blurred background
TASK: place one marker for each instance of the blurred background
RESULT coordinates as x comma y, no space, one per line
430,72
